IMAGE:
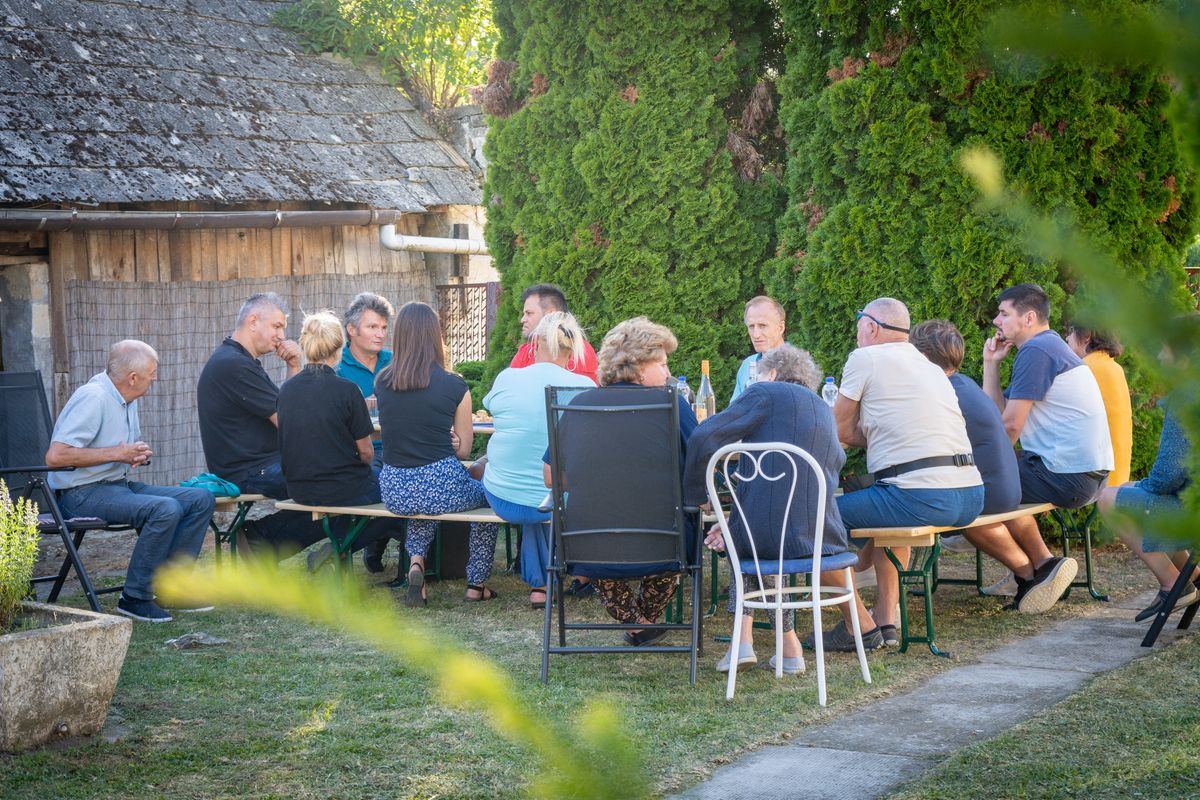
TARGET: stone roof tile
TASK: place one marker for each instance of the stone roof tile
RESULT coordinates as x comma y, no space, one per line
127,101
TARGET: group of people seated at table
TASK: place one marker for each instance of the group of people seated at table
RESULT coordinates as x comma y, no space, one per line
939,447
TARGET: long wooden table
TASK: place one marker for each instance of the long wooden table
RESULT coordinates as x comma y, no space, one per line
923,576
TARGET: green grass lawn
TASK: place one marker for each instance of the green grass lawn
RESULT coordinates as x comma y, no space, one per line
290,711
1132,733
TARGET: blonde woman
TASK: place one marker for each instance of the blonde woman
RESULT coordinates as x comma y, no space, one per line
325,432
513,479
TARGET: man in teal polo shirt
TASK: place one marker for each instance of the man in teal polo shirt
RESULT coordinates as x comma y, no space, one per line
363,357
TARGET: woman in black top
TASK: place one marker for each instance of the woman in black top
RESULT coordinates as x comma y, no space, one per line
325,432
425,418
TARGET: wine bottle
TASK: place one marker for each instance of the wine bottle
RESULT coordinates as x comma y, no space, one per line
706,401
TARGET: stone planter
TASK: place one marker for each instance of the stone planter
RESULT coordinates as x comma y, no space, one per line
57,680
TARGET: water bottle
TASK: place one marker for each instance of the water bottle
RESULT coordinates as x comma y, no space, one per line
685,391
752,373
829,391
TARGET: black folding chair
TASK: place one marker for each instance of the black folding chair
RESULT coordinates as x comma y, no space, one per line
617,505
25,429
1168,608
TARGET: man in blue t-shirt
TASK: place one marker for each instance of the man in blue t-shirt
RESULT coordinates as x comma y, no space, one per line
364,355
1054,408
765,320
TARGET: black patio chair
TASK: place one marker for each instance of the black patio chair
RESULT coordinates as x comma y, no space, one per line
25,428
617,505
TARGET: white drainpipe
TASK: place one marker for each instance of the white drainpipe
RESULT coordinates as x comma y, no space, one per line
430,244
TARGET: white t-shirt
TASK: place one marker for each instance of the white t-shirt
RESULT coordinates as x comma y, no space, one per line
908,410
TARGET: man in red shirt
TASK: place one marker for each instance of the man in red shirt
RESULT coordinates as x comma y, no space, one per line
538,301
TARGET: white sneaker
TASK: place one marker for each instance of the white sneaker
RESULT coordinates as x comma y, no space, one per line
957,544
1005,587
865,578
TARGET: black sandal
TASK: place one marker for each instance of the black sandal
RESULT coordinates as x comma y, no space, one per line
484,594
415,597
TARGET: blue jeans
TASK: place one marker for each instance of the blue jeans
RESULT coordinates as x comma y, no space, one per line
172,521
886,506
535,537
293,530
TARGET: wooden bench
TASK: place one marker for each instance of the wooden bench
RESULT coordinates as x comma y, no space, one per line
930,536
361,515
238,506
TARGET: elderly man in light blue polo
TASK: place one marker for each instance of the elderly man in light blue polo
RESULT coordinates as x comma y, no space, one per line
765,320
98,434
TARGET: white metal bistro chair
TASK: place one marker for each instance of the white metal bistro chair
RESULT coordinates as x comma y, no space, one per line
740,464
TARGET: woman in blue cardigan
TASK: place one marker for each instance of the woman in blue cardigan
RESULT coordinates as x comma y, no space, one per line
1157,492
781,407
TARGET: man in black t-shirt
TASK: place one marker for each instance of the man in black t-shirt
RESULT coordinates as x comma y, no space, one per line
236,399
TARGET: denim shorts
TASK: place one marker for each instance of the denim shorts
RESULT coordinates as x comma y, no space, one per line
886,506
1134,500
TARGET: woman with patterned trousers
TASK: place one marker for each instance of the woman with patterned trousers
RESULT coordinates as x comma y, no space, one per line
635,353
425,421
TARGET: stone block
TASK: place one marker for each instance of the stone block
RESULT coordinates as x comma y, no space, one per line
58,680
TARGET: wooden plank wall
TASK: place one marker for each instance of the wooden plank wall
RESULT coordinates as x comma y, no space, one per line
230,254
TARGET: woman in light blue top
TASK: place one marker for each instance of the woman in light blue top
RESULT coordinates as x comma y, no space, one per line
513,480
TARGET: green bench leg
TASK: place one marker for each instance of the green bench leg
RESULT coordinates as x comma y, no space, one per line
922,577
508,548
937,580
342,546
1069,528
229,535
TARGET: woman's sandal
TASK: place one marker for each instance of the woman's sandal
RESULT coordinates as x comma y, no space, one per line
415,596
537,605
484,594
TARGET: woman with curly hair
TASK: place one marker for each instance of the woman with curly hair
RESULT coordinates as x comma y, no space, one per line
634,353
781,407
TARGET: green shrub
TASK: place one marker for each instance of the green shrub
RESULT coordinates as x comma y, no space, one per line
473,372
435,49
878,100
18,551
622,167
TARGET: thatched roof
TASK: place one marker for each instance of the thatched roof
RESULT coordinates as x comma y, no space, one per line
134,101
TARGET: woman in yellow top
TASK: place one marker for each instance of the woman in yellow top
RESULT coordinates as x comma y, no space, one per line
1098,351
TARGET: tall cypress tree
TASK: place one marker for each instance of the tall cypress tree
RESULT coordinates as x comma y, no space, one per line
624,166
880,98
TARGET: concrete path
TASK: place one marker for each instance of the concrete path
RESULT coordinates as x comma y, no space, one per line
904,735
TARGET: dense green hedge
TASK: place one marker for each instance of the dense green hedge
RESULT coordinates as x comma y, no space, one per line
612,172
878,100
